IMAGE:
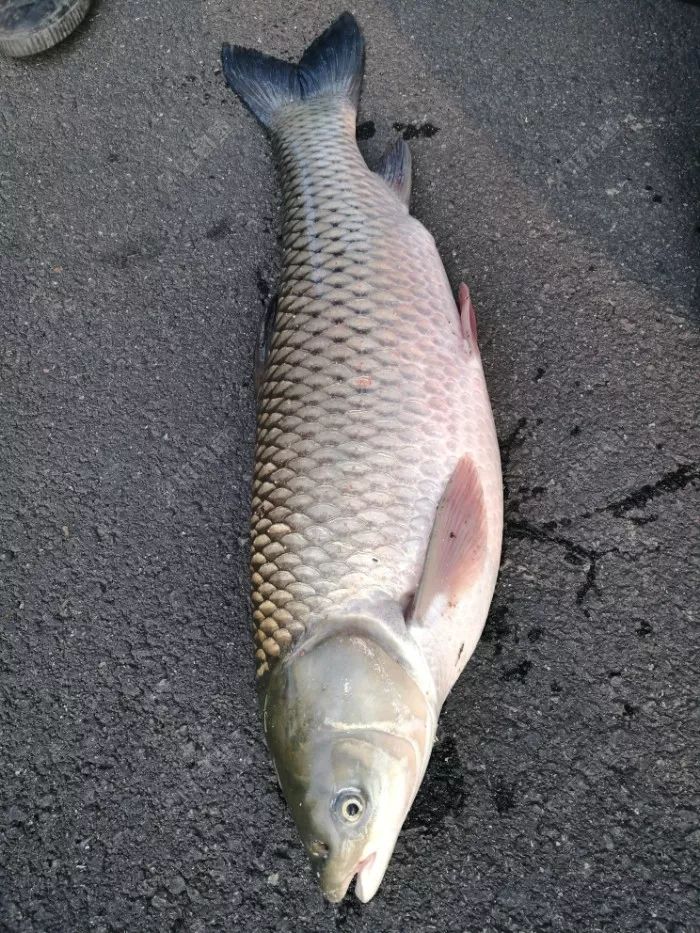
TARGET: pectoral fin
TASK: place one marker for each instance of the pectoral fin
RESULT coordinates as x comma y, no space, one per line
457,546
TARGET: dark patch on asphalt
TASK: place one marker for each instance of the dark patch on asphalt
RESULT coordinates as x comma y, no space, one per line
349,909
274,788
497,629
416,130
503,795
518,671
218,230
365,130
263,288
512,442
525,494
641,519
134,251
508,446
443,789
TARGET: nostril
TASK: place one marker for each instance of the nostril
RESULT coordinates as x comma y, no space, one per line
319,848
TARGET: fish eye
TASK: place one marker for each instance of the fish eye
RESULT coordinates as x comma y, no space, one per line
350,806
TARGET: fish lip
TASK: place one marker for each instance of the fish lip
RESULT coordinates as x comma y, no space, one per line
336,895
371,871
365,863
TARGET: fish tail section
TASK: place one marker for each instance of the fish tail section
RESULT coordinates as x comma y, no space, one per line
334,62
262,82
331,66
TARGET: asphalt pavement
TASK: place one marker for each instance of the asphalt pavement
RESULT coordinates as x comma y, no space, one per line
556,163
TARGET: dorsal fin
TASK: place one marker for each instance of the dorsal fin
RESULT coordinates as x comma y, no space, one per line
395,168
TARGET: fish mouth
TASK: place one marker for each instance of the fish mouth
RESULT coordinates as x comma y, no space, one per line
335,895
363,884
370,872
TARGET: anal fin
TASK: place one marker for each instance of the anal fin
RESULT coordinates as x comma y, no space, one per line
395,168
457,547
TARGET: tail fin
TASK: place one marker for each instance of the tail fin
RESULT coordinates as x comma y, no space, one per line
332,65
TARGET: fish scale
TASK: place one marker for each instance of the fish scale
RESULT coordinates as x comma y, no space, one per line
364,408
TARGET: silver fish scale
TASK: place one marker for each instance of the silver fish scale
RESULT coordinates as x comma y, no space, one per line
361,414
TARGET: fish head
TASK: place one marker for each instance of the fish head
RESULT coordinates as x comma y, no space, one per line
350,732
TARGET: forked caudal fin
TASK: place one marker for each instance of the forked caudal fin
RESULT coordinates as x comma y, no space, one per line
332,65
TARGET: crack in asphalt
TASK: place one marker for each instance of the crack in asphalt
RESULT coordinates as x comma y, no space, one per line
517,527
511,443
575,553
673,481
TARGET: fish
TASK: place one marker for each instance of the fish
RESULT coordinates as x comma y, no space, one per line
377,501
